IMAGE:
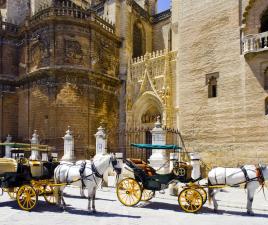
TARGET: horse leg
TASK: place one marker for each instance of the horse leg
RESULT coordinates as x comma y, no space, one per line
93,200
63,205
82,193
251,188
212,193
89,201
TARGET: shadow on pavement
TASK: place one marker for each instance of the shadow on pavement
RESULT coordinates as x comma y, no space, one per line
204,210
42,207
79,197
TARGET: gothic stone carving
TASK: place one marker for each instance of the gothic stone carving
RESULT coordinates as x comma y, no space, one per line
73,51
39,51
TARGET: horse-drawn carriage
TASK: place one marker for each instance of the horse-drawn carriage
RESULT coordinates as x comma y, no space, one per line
24,179
146,181
193,195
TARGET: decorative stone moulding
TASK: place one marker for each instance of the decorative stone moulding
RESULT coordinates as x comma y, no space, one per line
247,9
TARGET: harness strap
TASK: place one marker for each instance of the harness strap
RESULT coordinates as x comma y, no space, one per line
245,173
81,171
216,177
67,174
95,171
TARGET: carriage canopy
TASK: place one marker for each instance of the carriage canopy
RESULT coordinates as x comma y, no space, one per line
150,146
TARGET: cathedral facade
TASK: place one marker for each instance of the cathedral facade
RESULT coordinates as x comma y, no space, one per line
201,66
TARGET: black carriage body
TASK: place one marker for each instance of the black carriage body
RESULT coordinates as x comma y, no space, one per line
155,182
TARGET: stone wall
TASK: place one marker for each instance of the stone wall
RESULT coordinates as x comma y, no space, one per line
66,75
230,129
161,32
8,114
76,103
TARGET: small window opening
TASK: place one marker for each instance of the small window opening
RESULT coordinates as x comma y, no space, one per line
211,81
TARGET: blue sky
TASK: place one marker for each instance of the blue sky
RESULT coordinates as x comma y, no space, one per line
163,5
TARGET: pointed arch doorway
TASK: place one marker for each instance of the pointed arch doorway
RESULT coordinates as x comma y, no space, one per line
145,112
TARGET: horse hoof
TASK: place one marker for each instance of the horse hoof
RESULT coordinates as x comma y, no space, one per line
250,213
94,211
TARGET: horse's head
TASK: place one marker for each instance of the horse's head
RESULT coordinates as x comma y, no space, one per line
116,164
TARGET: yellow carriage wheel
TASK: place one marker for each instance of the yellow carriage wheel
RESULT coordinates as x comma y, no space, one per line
129,192
26,197
147,195
12,193
203,192
50,194
190,200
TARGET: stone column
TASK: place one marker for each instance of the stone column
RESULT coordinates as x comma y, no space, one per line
68,146
101,141
35,141
159,157
7,147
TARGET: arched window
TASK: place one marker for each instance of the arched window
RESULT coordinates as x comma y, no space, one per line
266,106
264,22
138,40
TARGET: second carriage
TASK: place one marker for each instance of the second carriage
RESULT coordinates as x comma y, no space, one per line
25,180
147,181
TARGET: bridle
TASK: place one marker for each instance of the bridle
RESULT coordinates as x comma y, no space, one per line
114,163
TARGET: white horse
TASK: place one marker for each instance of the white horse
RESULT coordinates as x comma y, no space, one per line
83,174
251,175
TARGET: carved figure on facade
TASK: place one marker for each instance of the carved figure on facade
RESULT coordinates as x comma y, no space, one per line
39,51
73,51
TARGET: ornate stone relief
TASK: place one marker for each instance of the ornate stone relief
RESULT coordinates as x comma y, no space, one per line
104,58
39,50
73,51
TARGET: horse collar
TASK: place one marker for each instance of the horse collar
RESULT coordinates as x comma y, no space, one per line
95,171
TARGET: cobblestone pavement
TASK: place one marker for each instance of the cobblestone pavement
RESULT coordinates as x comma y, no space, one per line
162,210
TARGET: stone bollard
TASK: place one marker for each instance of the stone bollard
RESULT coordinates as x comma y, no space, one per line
101,141
159,157
7,147
34,149
68,146
101,149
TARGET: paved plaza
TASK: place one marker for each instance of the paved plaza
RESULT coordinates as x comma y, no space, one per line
161,210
